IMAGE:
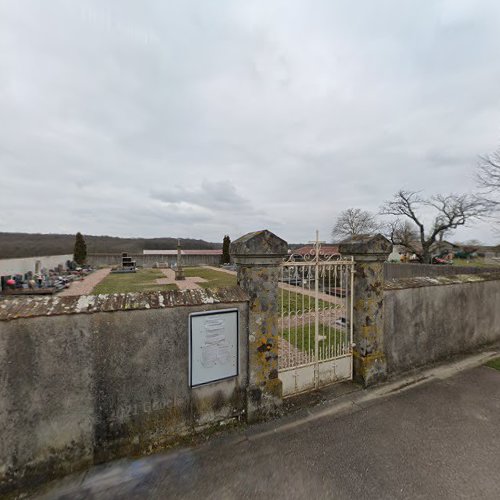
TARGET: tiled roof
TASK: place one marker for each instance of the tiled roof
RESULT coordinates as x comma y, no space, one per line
324,250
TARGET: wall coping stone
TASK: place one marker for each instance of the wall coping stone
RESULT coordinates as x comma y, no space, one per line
29,307
424,281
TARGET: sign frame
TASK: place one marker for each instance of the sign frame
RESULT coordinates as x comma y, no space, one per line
190,346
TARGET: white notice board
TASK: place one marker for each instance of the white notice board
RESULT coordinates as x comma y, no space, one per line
213,346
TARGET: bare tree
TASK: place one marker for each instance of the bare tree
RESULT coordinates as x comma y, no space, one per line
354,221
488,179
451,211
403,233
488,176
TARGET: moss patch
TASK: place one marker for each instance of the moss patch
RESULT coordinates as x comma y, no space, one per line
494,363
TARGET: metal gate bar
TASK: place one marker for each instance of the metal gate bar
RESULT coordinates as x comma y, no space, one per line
315,344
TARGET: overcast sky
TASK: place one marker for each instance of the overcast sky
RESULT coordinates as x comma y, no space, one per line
196,119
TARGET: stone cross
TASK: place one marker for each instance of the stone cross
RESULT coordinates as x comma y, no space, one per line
179,273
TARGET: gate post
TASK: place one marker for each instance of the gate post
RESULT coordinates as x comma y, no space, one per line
370,253
258,257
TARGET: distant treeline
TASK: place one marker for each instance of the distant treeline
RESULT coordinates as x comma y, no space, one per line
14,245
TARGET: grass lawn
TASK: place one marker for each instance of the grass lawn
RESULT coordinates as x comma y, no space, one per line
289,301
215,279
141,281
494,363
296,303
303,339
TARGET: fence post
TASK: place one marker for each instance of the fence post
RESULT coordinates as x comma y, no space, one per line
258,257
370,253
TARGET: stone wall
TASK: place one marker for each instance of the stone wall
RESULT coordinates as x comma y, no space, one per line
22,266
430,319
407,270
149,260
87,379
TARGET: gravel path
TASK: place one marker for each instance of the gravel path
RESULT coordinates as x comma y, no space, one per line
85,286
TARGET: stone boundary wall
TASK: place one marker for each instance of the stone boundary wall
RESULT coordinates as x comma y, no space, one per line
406,270
92,378
149,260
25,264
430,319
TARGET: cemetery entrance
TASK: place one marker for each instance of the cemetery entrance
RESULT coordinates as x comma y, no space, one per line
315,329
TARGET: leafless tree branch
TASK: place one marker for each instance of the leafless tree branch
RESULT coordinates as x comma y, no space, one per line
452,211
488,175
354,221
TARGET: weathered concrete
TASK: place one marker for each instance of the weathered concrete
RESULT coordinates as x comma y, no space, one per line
370,253
258,256
406,270
149,260
78,389
436,440
425,281
429,319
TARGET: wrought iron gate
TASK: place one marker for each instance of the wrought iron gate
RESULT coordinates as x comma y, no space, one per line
315,330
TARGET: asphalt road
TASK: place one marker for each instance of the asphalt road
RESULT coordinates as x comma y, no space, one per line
440,439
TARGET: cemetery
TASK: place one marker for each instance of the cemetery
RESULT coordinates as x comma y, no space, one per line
43,281
142,280
249,250
147,360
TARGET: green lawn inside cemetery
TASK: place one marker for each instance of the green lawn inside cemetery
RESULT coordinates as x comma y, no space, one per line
291,302
215,279
144,280
302,337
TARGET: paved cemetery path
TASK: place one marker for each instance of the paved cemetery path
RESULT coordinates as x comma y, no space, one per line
436,439
85,286
188,283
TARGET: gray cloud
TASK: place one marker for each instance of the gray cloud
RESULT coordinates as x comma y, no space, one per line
200,118
214,196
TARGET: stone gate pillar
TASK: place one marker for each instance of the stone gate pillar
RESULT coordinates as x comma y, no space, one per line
370,253
258,257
